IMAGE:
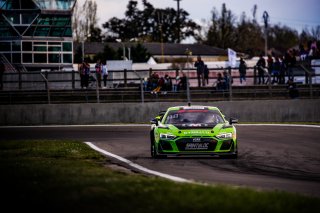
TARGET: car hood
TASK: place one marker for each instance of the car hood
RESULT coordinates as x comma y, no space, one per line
198,129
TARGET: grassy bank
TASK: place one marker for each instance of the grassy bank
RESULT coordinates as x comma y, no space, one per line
68,176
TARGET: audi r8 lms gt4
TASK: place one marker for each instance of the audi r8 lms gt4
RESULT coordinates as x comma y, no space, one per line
193,130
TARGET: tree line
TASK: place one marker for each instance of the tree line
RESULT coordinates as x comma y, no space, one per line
223,30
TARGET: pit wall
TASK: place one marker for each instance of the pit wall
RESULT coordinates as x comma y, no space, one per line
111,113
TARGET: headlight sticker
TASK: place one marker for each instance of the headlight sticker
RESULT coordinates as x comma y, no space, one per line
167,136
225,135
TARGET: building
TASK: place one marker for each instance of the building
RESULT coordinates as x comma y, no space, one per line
161,52
36,34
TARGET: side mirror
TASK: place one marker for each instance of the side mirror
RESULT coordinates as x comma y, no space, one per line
154,121
233,121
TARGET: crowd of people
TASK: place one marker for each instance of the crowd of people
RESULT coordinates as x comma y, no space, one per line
101,73
274,69
277,68
223,81
163,84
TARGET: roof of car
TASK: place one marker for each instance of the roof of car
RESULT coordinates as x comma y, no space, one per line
193,107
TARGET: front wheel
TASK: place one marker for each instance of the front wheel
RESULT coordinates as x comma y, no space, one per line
235,155
153,150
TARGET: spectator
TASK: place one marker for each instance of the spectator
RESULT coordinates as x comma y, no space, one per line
270,66
105,74
226,80
86,74
312,53
276,70
148,84
199,64
154,78
2,70
283,69
290,60
145,84
206,75
98,68
175,86
303,54
167,83
314,43
181,83
81,69
292,89
261,64
242,70
219,84
159,86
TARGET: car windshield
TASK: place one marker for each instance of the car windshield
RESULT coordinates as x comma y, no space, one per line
194,117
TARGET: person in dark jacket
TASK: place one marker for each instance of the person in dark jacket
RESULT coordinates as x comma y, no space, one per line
261,65
206,74
242,70
199,64
292,89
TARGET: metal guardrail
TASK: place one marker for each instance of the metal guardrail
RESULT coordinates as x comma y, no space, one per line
72,77
28,80
126,95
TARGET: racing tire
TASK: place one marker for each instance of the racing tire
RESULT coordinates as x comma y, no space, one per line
153,151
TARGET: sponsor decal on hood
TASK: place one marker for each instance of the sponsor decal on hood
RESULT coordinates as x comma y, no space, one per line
197,132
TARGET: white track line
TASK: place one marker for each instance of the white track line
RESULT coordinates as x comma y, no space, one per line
137,166
289,125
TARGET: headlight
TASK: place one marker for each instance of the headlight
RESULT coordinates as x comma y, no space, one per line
167,136
225,135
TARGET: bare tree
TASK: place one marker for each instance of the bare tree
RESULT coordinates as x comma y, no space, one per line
84,20
76,23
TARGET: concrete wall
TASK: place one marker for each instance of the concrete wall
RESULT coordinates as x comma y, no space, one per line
245,111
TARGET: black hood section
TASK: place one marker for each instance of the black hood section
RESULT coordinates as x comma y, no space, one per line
194,126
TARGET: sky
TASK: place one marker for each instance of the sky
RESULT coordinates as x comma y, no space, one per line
296,14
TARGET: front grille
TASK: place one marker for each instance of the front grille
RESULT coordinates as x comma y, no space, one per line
196,144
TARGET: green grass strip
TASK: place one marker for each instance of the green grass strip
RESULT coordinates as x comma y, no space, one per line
68,176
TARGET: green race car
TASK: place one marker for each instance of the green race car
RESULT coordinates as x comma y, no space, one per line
193,130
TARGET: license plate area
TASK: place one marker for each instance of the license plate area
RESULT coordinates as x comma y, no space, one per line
196,146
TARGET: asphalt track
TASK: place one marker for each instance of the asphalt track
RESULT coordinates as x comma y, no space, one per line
271,157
